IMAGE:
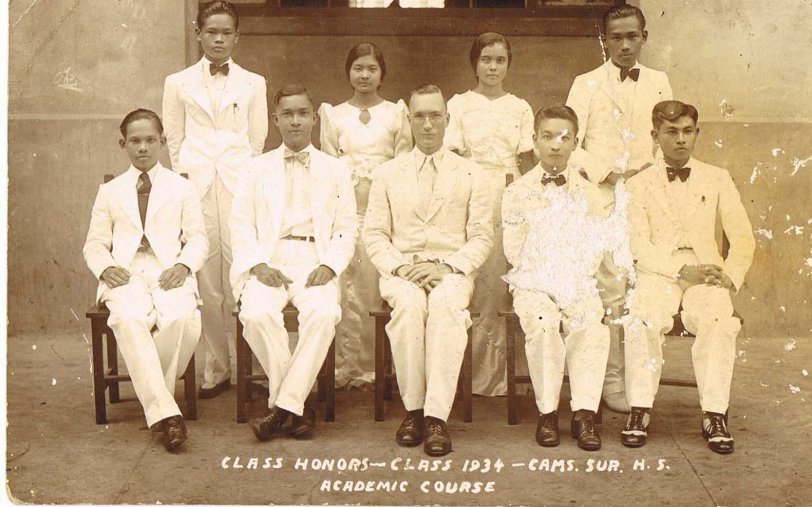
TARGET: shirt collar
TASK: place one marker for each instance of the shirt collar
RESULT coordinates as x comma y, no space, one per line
205,62
309,149
420,157
613,70
151,173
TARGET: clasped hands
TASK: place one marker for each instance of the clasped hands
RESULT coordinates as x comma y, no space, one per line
172,278
709,274
272,277
426,275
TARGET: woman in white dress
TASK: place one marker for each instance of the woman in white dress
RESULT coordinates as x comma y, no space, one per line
495,129
364,131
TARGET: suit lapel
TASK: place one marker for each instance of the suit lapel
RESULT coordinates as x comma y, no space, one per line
318,199
128,197
160,194
235,84
446,177
273,195
410,188
194,86
657,185
696,189
609,87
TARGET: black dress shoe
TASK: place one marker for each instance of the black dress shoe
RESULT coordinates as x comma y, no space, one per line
636,430
547,430
583,428
437,441
206,393
174,433
303,425
266,427
714,430
410,432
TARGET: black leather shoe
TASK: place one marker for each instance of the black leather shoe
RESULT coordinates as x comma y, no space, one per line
303,425
547,430
410,432
437,441
266,427
636,430
174,433
206,393
583,428
714,430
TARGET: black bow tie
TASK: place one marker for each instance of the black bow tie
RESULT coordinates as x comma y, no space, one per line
632,73
558,180
683,173
222,69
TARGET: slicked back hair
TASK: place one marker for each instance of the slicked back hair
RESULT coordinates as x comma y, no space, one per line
671,110
217,7
140,114
623,11
559,112
290,90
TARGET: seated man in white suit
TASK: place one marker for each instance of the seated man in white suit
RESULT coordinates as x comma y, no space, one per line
554,239
428,230
293,231
145,243
673,216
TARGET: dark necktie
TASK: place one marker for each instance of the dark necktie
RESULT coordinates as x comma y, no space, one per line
143,188
632,73
558,180
222,69
683,173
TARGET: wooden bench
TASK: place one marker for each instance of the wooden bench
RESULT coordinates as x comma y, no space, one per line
326,379
108,376
385,376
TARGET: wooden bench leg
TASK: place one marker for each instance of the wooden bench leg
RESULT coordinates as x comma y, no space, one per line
380,373
242,384
112,363
190,390
467,378
387,365
330,383
510,341
97,332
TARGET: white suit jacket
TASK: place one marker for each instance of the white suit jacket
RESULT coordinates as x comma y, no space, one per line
527,194
174,224
259,206
456,228
614,132
203,142
656,227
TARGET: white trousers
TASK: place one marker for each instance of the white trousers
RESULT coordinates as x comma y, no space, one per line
214,285
154,360
428,334
584,348
290,376
612,282
707,312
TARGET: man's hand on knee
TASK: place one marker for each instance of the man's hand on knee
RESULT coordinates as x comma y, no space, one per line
115,276
436,276
320,276
270,276
173,277
419,272
698,274
720,279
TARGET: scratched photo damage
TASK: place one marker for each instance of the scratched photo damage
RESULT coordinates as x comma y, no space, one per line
409,252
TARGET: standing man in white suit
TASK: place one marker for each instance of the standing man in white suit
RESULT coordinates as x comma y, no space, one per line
673,213
216,116
428,231
294,228
146,240
613,104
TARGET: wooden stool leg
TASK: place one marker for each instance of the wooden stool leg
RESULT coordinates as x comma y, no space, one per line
510,341
387,367
380,373
190,390
330,383
112,363
467,378
242,371
96,333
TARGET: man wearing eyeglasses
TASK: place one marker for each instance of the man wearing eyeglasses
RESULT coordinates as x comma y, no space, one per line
428,230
